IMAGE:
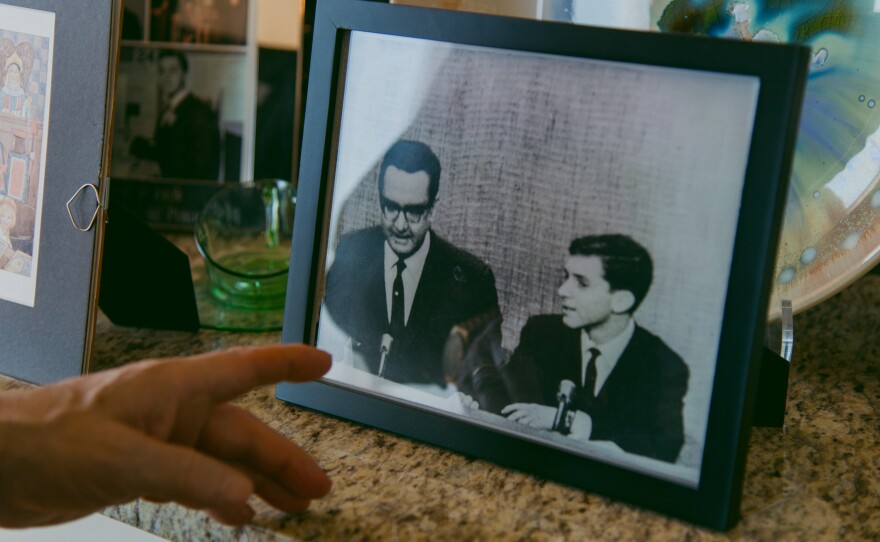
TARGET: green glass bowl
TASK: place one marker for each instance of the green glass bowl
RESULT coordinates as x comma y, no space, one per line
244,234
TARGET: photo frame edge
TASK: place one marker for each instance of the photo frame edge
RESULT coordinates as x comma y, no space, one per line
329,23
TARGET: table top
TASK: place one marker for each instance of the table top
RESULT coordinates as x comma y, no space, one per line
818,478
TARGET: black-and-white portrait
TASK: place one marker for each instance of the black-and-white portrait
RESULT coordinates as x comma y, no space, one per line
181,114
538,244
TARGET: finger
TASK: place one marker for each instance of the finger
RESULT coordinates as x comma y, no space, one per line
278,496
518,416
167,472
240,517
274,493
233,434
226,374
512,408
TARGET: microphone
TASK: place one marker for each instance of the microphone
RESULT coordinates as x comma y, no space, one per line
565,411
384,349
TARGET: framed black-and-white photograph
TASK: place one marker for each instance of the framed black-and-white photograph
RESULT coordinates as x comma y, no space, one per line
182,114
543,245
186,106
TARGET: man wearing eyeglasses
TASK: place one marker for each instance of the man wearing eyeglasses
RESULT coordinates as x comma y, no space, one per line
397,289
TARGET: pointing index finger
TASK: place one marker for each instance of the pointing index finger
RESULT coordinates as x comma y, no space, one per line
226,374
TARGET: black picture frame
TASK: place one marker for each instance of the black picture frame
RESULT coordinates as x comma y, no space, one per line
353,90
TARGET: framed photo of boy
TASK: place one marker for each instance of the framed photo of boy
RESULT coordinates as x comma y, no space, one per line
185,123
182,114
543,245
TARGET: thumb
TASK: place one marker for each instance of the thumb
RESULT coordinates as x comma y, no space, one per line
176,473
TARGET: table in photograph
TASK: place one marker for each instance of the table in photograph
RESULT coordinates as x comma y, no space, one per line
816,479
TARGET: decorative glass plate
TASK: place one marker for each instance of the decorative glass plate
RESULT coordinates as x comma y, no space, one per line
831,230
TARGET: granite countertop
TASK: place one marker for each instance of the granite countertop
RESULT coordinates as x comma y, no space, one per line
816,479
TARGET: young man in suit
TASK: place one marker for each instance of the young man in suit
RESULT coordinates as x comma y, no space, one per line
186,142
397,289
628,384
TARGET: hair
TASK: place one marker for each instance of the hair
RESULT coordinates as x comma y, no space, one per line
411,157
626,264
181,58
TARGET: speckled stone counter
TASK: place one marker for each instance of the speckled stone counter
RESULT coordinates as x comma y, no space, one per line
817,479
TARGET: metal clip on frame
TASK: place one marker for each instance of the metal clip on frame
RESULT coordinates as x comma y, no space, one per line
73,199
786,346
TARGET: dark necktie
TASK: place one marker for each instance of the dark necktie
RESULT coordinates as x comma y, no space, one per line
590,375
397,300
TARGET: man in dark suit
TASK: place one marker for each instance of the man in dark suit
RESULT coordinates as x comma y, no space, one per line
186,142
628,385
397,289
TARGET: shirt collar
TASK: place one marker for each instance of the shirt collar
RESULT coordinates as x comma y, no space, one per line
611,350
414,262
177,98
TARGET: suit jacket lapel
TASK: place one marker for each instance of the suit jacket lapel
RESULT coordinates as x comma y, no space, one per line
565,359
373,284
619,381
431,281
571,353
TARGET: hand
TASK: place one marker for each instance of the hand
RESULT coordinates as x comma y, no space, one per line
581,427
531,414
464,400
161,430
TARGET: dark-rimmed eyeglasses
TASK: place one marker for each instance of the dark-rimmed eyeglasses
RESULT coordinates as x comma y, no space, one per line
412,213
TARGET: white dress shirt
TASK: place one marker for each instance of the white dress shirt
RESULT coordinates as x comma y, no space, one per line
411,275
169,110
610,353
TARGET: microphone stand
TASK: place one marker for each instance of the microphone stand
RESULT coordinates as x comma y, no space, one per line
384,349
565,411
